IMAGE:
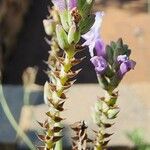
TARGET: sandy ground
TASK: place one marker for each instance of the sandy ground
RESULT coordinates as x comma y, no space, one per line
134,110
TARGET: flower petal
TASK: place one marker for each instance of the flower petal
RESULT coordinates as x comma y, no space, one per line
100,64
93,36
72,4
125,67
122,58
60,4
100,48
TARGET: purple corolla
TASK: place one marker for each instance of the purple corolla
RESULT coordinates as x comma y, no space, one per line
64,5
125,65
93,36
100,64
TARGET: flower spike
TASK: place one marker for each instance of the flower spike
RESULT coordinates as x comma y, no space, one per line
66,34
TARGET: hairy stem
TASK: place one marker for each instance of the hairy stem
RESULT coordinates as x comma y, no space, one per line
106,111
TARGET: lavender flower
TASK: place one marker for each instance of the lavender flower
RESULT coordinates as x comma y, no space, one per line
63,4
72,4
122,58
93,36
100,64
100,48
125,65
59,4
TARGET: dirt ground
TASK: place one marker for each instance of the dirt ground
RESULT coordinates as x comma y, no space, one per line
134,27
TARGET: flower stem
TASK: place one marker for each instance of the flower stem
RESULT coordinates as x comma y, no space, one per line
59,144
105,112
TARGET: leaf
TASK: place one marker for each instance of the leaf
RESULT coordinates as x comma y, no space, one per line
62,37
86,24
64,20
110,53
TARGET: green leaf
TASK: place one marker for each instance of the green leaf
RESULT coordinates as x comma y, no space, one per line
86,24
112,113
113,45
103,82
73,35
62,37
80,4
110,54
84,7
64,20
120,49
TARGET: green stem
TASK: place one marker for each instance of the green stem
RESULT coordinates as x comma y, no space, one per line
67,68
98,148
59,144
13,121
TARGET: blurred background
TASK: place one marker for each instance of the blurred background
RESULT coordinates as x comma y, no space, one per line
22,45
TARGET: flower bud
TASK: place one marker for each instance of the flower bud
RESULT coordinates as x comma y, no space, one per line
47,93
101,106
100,64
125,65
96,117
73,35
62,37
112,113
49,26
64,19
98,106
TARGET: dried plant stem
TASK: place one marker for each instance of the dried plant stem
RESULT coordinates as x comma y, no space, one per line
80,140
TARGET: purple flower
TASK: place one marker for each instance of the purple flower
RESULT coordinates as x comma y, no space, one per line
122,58
72,4
63,4
100,64
60,4
100,48
125,65
93,35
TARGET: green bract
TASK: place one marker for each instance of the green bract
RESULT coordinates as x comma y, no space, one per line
86,24
62,37
73,35
64,17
